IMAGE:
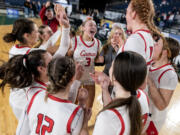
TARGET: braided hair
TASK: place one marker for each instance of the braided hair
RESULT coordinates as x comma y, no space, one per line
60,72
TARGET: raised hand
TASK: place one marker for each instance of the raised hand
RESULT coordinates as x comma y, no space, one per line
82,97
79,71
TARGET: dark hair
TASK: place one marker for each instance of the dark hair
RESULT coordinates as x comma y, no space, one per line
130,71
174,48
20,70
60,72
20,27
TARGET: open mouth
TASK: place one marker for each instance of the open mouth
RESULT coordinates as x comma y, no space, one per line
92,31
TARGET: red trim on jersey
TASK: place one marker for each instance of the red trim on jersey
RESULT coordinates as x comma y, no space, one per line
41,83
71,119
17,46
149,63
148,31
35,87
145,117
58,99
159,67
152,129
28,51
75,43
143,39
138,94
159,79
86,44
121,120
32,100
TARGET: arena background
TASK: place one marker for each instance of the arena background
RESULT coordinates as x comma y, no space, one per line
109,11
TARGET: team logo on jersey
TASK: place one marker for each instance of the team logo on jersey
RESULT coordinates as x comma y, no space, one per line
84,53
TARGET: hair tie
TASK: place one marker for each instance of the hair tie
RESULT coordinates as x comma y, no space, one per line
25,57
133,93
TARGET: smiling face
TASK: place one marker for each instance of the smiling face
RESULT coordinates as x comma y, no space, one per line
90,28
47,33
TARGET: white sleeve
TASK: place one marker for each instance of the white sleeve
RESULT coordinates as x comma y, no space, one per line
74,90
136,44
52,40
169,80
23,125
104,125
73,43
77,122
64,43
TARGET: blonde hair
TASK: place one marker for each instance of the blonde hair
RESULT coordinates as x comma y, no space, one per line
146,12
116,27
80,29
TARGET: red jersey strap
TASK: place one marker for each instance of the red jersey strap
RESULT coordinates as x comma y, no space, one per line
144,40
71,119
149,63
75,43
28,51
35,87
32,100
121,120
159,79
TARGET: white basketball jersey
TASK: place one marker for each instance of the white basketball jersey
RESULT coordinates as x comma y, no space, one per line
16,50
113,122
53,117
18,98
116,121
85,53
140,42
36,86
164,77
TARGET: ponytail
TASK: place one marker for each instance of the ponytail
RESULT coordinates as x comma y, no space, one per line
134,112
9,37
15,73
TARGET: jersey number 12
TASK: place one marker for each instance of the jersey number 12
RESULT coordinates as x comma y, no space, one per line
44,128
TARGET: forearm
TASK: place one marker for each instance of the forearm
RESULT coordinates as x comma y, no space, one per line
74,91
64,43
156,96
42,13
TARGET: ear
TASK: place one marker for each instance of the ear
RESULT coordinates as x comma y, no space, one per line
41,69
133,14
26,35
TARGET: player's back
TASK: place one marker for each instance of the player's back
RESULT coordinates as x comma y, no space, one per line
18,50
55,116
113,122
141,42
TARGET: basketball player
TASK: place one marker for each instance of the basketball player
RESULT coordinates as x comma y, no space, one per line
26,32
123,115
139,17
52,112
84,50
26,74
162,82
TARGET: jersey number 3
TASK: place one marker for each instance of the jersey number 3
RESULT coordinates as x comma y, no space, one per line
44,128
88,62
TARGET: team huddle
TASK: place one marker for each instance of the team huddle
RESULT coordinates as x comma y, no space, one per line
53,87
